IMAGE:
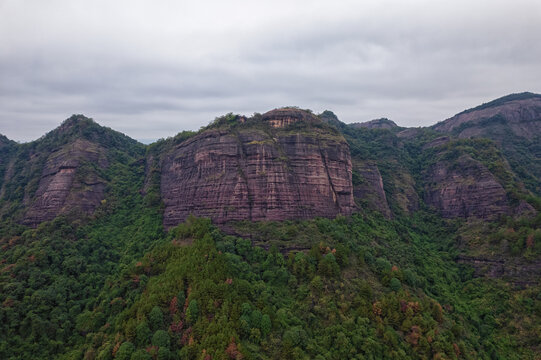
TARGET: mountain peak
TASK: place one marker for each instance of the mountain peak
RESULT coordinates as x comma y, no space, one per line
4,141
330,118
79,126
76,119
503,100
382,123
518,114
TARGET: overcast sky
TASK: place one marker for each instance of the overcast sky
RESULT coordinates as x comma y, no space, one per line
153,68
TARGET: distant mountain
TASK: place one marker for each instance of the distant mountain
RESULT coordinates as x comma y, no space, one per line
4,141
382,123
516,114
514,122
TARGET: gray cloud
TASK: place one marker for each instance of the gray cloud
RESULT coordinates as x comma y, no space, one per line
151,69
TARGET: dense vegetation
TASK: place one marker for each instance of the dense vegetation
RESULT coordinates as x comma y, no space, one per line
364,288
114,285
50,274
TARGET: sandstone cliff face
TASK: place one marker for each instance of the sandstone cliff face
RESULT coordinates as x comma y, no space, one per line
280,118
521,117
465,188
264,172
64,187
370,190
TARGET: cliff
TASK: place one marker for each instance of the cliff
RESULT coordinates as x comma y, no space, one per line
286,165
62,172
368,188
68,182
464,188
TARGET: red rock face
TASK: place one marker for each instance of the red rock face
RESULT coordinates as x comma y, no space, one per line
280,118
465,189
258,174
60,190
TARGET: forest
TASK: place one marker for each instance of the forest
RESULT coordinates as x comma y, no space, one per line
404,283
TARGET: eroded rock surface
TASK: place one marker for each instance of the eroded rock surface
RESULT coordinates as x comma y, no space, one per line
65,185
266,172
465,188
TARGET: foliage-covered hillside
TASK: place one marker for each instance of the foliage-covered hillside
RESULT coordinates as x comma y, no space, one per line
364,288
396,280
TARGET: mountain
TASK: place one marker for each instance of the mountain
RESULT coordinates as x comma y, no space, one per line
4,141
285,165
517,114
64,171
286,235
382,123
514,122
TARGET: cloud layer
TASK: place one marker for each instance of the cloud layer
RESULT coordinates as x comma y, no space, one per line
153,68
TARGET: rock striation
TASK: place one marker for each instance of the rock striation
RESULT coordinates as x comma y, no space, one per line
66,184
465,188
279,118
288,165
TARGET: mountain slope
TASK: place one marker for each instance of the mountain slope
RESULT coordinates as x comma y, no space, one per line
64,171
6,151
519,114
382,123
514,122
438,257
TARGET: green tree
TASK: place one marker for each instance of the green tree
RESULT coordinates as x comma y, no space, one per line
266,325
192,313
395,284
164,353
142,334
125,351
141,355
155,318
161,339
